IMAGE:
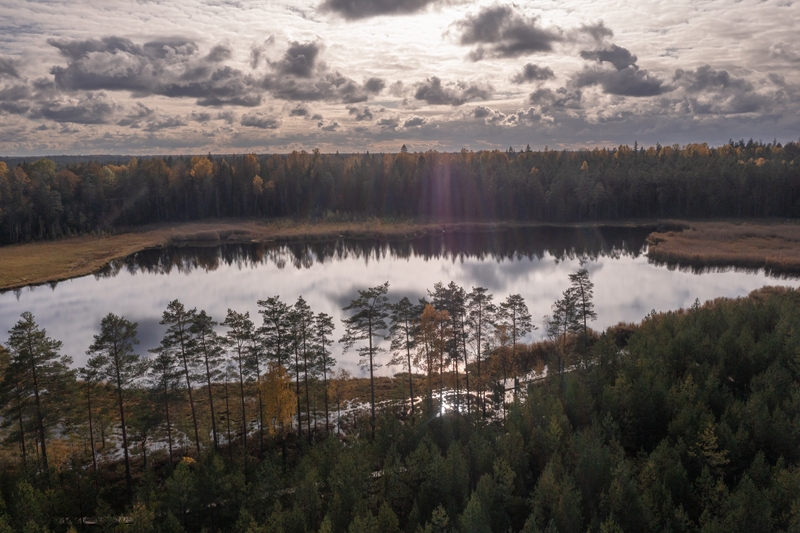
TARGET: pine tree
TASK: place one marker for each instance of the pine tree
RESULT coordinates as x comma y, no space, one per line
514,313
178,343
370,311
238,339
323,327
121,366
404,322
210,351
583,290
481,313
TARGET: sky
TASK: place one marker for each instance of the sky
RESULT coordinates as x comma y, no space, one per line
237,76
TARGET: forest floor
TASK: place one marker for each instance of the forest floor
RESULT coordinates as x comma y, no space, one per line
770,245
761,244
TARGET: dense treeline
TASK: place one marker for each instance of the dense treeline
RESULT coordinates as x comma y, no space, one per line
39,199
689,421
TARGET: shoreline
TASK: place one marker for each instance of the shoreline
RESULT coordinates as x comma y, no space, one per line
771,245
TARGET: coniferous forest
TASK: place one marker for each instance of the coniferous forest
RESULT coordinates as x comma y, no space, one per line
688,421
40,199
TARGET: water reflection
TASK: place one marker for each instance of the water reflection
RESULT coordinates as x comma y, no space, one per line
533,262
562,243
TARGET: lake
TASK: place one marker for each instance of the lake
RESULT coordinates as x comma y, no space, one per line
533,262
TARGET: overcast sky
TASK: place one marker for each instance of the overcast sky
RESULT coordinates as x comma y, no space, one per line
197,76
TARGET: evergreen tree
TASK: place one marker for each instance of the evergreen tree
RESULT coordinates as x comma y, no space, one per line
210,350
178,343
404,322
239,336
41,372
369,313
121,366
481,315
514,313
583,289
323,327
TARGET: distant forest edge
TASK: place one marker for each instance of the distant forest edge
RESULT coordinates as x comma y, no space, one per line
41,199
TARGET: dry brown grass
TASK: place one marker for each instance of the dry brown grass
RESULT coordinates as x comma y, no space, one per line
43,262
773,246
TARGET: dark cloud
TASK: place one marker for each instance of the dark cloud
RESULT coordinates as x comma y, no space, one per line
626,82
374,85
359,9
597,31
93,108
618,56
531,72
200,117
361,113
219,53
260,120
15,93
299,60
389,122
316,116
785,51
561,98
433,92
706,78
227,116
299,111
136,115
9,67
414,122
500,31
172,68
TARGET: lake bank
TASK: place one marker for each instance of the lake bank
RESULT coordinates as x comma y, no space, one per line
773,246
37,263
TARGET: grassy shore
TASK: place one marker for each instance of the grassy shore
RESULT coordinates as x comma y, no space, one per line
770,245
49,261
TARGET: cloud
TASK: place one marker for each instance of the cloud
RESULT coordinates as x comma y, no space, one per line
561,98
170,67
531,72
627,82
359,9
92,108
597,31
218,54
164,124
374,85
785,51
500,31
200,117
299,60
328,125
389,122
620,57
139,112
415,122
494,117
361,113
434,93
260,120
706,78
299,111
9,67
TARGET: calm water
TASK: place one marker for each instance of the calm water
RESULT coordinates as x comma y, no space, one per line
532,262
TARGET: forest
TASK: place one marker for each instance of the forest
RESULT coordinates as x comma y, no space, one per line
688,421
40,199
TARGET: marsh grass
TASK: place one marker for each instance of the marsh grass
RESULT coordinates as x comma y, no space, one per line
771,246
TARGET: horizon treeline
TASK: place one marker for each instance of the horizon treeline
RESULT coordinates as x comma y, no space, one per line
40,199
688,421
